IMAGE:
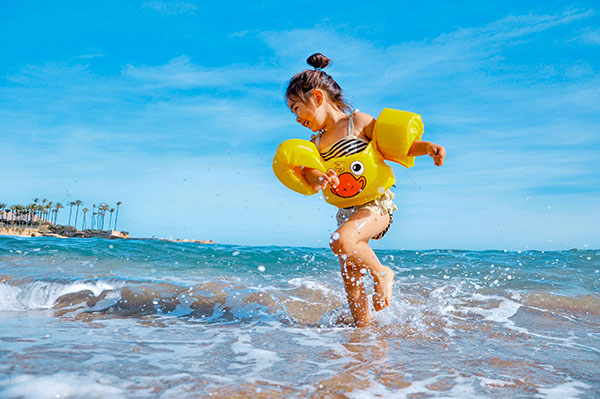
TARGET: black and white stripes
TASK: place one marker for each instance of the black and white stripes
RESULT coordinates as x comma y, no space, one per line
346,146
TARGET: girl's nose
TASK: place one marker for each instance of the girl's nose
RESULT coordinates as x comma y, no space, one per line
299,120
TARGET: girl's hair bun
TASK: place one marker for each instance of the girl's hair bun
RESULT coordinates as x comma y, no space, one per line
318,60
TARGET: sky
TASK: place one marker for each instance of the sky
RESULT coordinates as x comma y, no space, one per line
176,109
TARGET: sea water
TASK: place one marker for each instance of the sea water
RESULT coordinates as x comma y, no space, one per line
93,318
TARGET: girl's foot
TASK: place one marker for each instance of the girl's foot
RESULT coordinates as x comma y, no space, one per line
383,289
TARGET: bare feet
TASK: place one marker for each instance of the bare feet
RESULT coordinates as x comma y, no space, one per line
383,289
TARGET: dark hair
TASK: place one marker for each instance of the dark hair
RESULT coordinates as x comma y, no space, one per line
304,82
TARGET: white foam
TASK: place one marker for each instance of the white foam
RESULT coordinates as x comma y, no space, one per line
501,314
568,390
9,297
43,295
462,390
58,386
505,310
247,355
311,285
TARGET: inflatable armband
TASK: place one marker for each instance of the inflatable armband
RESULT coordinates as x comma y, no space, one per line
395,132
290,157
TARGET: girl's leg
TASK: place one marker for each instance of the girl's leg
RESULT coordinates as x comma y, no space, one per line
356,293
352,247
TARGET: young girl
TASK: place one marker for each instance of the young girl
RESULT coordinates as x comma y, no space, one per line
317,101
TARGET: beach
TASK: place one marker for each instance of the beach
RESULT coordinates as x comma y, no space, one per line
100,318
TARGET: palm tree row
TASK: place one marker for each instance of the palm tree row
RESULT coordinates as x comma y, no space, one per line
46,212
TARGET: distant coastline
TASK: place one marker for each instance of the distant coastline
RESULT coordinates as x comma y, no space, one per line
60,232
71,232
40,219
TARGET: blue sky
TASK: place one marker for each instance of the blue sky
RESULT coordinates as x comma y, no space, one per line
175,109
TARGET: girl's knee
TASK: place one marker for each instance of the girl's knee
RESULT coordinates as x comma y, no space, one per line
342,243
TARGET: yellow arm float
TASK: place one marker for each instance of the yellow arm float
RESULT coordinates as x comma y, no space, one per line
363,176
290,157
395,132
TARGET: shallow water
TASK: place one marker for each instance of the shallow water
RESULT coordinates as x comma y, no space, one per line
91,318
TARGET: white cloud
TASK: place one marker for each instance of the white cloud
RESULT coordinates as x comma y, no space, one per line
181,72
464,49
590,36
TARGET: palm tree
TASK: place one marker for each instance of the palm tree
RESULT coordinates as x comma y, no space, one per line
22,211
104,208
70,204
83,224
78,202
31,208
112,210
117,215
100,218
2,207
34,205
48,209
94,217
39,210
58,207
13,209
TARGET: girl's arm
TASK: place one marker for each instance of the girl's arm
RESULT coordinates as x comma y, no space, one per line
437,152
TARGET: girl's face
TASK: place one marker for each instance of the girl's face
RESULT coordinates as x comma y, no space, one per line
307,114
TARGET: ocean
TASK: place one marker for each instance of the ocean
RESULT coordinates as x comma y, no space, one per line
95,318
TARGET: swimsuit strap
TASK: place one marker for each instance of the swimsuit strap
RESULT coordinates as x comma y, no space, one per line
350,133
351,123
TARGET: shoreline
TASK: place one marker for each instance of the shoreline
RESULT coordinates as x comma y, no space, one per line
66,232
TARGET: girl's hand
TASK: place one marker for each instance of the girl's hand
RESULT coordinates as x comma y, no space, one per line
330,178
437,152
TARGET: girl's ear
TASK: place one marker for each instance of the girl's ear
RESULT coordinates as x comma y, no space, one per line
319,96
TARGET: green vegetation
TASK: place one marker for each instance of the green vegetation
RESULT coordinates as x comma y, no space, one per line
44,214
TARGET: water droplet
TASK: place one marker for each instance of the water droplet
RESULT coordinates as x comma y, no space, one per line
261,268
335,236
235,253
